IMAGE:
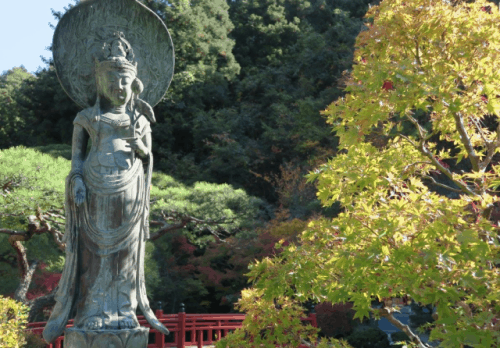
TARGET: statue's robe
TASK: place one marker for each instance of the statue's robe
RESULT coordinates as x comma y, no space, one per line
103,276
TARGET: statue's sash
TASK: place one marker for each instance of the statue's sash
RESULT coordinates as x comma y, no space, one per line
107,241
66,292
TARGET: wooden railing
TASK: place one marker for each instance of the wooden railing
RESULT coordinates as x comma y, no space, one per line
185,329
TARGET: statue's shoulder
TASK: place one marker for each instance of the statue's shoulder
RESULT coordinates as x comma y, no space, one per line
84,116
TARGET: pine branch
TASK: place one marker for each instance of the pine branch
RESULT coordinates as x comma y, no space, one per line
22,289
38,304
182,221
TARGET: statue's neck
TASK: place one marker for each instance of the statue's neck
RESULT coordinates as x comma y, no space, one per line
107,107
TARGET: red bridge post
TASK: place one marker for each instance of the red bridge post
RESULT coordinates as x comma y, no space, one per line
182,327
159,337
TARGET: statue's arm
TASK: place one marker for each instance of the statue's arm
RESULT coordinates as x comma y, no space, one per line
79,147
147,141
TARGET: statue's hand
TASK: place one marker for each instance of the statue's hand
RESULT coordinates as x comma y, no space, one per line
79,191
138,146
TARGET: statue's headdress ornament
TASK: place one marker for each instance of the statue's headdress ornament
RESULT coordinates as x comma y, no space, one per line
117,53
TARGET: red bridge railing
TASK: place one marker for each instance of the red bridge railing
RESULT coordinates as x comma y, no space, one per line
185,329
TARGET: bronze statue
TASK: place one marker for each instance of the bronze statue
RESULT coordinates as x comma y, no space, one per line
107,190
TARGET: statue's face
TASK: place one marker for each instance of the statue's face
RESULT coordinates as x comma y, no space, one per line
116,86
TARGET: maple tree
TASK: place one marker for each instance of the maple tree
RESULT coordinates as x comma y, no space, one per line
416,175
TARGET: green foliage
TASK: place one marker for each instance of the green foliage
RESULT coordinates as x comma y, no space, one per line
30,180
151,270
13,319
55,150
274,117
271,323
396,236
203,49
14,119
205,65
54,111
276,322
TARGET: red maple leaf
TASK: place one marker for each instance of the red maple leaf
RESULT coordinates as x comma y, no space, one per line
388,86
486,9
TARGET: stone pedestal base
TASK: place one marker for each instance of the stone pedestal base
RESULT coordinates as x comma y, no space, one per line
125,338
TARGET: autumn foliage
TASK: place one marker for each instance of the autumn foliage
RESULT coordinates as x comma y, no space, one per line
416,176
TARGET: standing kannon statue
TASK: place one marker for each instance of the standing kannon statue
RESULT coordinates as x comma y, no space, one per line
115,58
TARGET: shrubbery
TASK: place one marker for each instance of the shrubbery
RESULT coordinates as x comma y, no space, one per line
369,338
13,318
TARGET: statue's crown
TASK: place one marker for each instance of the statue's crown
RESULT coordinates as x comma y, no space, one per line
117,53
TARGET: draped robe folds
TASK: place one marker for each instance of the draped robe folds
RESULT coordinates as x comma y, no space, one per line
103,276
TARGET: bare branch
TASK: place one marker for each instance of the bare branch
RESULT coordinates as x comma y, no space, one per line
422,148
491,147
444,170
408,140
422,132
441,185
387,313
474,159
414,164
480,130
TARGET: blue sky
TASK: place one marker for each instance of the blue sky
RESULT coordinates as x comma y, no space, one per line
25,32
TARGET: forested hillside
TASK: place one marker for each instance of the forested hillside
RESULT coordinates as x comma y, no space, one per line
250,80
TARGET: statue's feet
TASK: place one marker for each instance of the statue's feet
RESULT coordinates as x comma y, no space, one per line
94,323
128,323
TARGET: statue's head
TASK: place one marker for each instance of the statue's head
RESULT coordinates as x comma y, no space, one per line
116,73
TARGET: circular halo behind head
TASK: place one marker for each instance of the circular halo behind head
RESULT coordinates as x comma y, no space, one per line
80,40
